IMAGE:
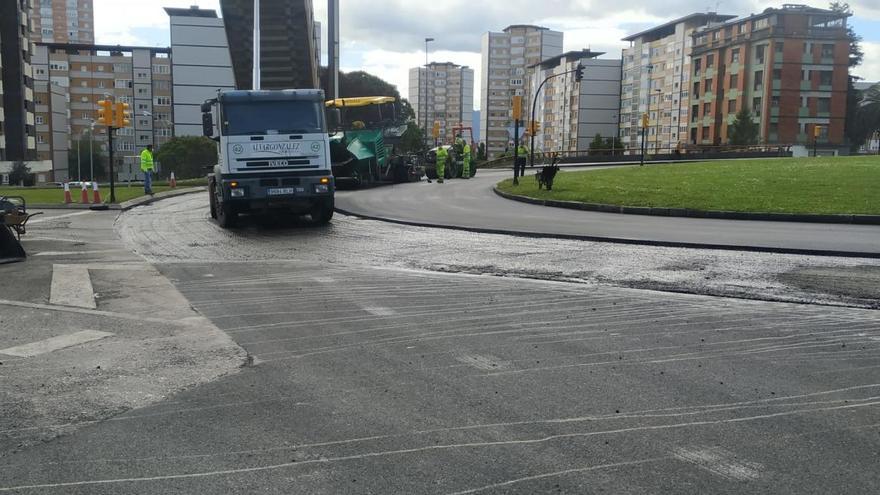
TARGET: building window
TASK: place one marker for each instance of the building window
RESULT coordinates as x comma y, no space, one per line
823,105
84,68
100,68
707,108
759,54
808,48
708,85
697,65
710,61
697,89
705,133
40,139
141,75
734,81
122,83
734,55
777,74
759,80
756,106
774,101
760,24
38,119
161,69
825,78
827,50
731,106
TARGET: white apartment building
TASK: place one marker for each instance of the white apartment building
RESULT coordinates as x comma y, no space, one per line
63,21
656,76
449,99
506,59
571,113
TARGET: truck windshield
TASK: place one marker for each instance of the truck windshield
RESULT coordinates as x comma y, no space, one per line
273,117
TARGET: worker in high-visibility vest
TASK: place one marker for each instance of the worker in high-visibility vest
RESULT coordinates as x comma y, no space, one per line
147,168
466,161
520,163
442,155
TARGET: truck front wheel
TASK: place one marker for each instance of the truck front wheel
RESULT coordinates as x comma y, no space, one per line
322,211
225,215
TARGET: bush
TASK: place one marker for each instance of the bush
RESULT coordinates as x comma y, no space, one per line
187,156
21,175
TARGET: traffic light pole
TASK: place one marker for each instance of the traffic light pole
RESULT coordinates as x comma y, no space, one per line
580,70
112,181
516,152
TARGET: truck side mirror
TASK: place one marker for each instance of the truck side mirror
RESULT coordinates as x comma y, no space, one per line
334,118
208,124
206,107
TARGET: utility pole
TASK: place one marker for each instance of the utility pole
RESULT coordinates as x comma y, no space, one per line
256,57
333,49
78,166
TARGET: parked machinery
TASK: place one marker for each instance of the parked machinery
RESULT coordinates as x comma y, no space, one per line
365,139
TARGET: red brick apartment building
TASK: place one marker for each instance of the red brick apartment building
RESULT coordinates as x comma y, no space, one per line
789,66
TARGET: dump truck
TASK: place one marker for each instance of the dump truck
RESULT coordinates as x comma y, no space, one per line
273,154
364,142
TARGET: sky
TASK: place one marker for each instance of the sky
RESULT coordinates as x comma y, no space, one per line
388,41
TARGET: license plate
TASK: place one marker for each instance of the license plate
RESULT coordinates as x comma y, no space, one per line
280,191
277,163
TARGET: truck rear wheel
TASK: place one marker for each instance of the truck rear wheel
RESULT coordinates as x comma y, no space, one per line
212,201
322,211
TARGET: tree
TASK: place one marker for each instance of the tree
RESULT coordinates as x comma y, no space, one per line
187,156
360,83
21,175
744,129
598,143
855,48
90,156
411,140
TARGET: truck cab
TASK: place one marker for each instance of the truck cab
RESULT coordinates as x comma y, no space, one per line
273,154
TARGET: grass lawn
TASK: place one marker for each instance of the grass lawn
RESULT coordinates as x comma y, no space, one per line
47,195
786,185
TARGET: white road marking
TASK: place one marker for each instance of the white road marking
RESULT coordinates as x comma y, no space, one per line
54,343
486,362
72,286
719,461
68,253
379,310
49,219
323,280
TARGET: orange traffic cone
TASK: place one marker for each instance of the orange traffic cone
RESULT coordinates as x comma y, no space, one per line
172,182
96,194
84,197
67,197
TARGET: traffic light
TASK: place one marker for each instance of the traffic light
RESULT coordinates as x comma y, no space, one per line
436,131
534,127
579,73
817,131
517,107
122,115
105,112
644,120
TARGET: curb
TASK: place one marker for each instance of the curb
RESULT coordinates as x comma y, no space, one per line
124,206
619,240
146,200
687,212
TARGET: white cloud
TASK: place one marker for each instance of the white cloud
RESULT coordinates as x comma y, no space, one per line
870,68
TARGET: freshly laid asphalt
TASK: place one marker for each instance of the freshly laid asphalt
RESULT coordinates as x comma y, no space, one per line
368,377
473,205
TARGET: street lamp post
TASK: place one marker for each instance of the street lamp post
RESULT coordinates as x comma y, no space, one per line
425,100
92,151
657,124
78,166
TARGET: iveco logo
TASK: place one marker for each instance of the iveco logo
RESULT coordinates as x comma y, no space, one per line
237,149
316,146
277,148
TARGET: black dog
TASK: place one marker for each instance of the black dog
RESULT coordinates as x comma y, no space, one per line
546,175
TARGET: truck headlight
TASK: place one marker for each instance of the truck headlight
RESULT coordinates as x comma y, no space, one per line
236,193
322,188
